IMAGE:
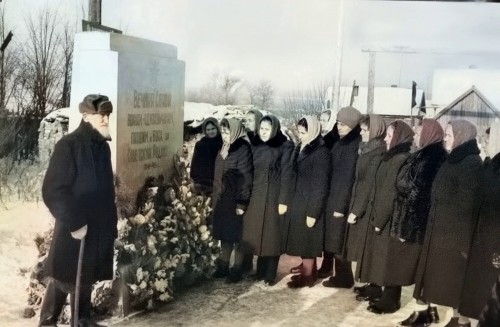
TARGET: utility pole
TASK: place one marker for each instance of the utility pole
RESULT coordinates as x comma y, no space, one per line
371,70
95,11
338,60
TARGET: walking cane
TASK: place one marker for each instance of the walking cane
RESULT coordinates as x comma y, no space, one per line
78,280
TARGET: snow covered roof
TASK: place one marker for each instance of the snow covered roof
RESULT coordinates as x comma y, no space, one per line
198,112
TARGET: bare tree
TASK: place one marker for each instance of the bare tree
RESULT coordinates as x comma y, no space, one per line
221,89
42,64
261,95
68,38
300,102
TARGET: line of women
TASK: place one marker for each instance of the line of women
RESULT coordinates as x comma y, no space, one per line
359,193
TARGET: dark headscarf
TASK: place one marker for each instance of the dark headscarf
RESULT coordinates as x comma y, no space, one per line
431,133
402,133
210,120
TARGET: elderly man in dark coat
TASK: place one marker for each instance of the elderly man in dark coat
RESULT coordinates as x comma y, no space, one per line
453,214
344,155
79,192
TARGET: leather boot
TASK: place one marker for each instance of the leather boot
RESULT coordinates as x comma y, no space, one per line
302,281
235,275
222,270
52,305
421,318
326,268
370,293
390,301
343,277
247,264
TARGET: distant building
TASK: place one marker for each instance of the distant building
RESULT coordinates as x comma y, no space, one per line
389,102
473,106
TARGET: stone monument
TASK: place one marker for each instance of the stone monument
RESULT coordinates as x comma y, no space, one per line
145,82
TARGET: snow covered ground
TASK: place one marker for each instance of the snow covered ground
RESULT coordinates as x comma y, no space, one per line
212,304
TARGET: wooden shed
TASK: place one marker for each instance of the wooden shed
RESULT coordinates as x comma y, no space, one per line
472,106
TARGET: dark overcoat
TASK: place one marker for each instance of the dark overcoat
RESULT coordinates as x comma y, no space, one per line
381,252
271,186
452,217
231,190
362,191
309,193
413,188
78,189
344,155
484,258
203,162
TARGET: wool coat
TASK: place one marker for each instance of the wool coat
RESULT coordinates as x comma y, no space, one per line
272,176
381,252
78,189
483,266
343,156
362,191
452,217
309,188
203,162
231,190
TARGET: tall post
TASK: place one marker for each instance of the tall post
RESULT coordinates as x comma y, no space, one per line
371,83
95,11
338,62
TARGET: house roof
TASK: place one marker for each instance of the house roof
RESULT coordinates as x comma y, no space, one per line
463,96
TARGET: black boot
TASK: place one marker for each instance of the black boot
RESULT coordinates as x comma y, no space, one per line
390,301
359,289
247,264
326,268
235,275
371,292
222,270
421,318
52,305
261,267
271,269
343,277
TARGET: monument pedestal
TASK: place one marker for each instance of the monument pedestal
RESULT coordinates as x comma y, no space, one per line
145,82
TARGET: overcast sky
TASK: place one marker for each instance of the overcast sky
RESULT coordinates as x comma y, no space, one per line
293,42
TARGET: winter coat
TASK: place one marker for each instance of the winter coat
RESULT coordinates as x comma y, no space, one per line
362,191
483,266
413,187
309,189
271,186
344,155
203,162
332,137
78,189
452,217
231,190
380,256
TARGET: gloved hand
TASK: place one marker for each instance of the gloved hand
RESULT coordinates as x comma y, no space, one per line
378,230
79,233
402,240
239,212
310,221
352,219
282,209
338,215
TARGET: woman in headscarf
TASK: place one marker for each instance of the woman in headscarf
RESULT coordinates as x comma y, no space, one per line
343,156
373,263
251,123
484,259
270,196
452,218
330,134
413,187
205,152
231,195
370,151
302,231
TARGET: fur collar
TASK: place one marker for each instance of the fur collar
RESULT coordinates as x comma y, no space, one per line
275,142
309,148
400,148
237,144
351,136
89,132
371,145
495,164
463,150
